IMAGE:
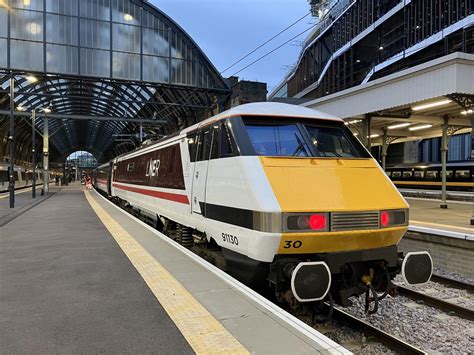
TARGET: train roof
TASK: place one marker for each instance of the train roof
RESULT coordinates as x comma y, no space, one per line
273,109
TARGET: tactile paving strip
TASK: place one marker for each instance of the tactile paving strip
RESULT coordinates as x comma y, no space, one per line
202,331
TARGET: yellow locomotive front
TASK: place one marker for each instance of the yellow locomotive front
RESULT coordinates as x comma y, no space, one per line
342,217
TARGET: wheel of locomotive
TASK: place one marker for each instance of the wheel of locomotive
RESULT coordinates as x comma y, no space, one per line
322,311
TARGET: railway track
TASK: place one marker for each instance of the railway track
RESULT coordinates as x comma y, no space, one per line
448,307
390,341
452,283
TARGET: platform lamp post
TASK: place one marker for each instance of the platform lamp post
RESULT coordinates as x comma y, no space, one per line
11,177
33,151
46,151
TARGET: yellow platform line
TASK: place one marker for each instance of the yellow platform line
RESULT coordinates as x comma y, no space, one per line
444,226
203,332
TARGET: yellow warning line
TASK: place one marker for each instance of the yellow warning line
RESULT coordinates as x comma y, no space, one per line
444,226
202,331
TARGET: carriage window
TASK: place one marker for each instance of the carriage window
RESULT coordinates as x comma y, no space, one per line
331,142
419,174
192,146
227,143
3,176
449,173
204,145
407,174
130,166
462,174
431,174
277,140
215,142
396,174
389,173
303,138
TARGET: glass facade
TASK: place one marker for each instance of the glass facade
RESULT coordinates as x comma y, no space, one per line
123,39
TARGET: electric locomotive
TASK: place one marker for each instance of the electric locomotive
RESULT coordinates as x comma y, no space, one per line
288,195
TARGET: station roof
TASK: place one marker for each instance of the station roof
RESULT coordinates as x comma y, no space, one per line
421,96
104,69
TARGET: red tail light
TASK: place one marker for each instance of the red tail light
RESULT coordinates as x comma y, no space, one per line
384,219
317,221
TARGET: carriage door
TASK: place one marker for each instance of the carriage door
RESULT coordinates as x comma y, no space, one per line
200,171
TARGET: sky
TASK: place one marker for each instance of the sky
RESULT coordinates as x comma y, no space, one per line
226,30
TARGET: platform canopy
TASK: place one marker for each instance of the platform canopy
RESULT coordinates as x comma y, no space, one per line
411,104
103,71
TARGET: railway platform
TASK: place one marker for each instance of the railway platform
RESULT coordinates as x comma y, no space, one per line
426,213
79,275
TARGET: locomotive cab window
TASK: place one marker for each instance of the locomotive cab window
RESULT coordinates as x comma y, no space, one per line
303,138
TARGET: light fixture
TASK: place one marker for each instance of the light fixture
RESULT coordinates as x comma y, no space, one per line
467,112
430,105
357,60
352,122
27,2
47,110
31,79
398,125
417,128
34,28
374,135
381,48
128,17
21,108
355,134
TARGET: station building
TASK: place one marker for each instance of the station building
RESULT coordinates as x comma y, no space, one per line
400,73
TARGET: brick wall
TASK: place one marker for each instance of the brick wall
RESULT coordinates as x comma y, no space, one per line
457,256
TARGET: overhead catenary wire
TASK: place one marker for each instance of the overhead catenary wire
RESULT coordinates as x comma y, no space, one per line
266,42
273,50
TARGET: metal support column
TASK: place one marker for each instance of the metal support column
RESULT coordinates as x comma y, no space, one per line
46,155
384,148
33,152
11,184
444,156
368,131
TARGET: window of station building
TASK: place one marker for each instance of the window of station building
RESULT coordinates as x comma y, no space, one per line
95,9
462,174
407,174
36,5
62,7
431,174
61,29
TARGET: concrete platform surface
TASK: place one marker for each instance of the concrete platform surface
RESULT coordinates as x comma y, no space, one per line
72,283
427,213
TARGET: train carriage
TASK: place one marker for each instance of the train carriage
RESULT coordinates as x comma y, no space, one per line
287,193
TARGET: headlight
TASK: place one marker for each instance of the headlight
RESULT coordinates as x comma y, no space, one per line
306,222
393,218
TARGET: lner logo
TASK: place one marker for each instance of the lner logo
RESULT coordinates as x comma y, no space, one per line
153,167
